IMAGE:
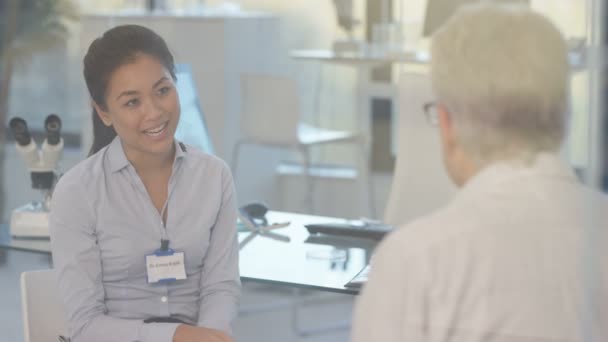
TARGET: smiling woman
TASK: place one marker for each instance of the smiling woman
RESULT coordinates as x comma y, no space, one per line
143,107
113,66
136,260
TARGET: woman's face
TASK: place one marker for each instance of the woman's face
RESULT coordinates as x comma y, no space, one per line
142,106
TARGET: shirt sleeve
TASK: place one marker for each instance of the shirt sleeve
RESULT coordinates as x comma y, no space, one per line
77,261
391,306
220,280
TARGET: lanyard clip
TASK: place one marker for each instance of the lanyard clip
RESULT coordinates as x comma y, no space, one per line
164,245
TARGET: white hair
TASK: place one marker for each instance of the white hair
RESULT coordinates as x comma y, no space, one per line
502,72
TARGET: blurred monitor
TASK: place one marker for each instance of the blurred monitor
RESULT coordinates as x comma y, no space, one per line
192,128
439,11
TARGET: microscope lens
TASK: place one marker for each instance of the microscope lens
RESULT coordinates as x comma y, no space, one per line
19,128
52,124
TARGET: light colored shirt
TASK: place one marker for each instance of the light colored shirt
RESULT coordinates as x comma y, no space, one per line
512,258
103,223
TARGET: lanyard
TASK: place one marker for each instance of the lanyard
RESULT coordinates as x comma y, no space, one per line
164,237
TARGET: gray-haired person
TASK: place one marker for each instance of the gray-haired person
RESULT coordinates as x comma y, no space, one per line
517,255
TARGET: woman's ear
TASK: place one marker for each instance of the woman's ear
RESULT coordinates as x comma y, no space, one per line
103,115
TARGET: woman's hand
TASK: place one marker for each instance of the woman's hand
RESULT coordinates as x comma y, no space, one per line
189,333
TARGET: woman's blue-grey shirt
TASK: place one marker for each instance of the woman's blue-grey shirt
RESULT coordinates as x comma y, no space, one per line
103,223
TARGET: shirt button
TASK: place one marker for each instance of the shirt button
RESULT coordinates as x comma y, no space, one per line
163,299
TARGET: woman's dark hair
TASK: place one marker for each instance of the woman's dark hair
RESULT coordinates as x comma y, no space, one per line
118,46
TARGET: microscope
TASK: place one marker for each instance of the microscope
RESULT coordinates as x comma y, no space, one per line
32,219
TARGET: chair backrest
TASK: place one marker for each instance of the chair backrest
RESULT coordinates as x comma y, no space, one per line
271,109
192,128
420,183
43,317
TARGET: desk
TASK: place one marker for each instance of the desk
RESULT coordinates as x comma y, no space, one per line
363,63
40,246
361,59
317,263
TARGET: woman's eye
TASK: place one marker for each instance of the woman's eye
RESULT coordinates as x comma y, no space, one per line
164,90
132,103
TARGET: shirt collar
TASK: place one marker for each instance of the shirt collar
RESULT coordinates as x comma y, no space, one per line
545,165
180,150
118,159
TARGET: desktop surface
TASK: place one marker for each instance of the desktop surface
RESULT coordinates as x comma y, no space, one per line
361,59
34,245
305,261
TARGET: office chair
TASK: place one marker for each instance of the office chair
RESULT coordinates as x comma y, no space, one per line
43,318
420,182
271,117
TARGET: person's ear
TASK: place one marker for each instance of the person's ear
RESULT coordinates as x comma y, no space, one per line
458,163
446,128
103,114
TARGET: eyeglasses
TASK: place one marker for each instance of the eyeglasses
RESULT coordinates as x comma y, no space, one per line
430,112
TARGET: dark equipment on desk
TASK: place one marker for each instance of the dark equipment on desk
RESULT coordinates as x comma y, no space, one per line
373,231
253,216
255,213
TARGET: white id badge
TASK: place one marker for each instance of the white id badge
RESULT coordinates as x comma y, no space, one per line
165,266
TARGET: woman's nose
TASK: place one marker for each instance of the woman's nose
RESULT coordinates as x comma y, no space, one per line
154,109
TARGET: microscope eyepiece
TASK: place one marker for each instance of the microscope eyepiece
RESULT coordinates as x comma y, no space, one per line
19,128
52,125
